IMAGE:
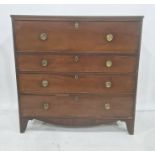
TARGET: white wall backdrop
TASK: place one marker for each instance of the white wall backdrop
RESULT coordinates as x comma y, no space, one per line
146,84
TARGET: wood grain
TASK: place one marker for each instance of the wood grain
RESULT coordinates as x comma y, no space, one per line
90,36
32,83
76,63
77,106
81,100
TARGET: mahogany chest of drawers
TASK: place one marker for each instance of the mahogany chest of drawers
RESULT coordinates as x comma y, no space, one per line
77,71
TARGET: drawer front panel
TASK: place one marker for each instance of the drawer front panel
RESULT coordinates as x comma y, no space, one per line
76,63
73,36
78,83
76,106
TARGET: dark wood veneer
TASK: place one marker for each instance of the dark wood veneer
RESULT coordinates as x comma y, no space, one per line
77,106
68,63
62,36
32,83
77,101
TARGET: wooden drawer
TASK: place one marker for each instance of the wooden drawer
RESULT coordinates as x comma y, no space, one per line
76,106
75,83
77,36
76,63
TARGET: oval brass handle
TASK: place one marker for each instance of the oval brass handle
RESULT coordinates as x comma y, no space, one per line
43,36
107,106
109,37
76,25
44,83
76,76
76,59
108,84
108,63
45,106
44,63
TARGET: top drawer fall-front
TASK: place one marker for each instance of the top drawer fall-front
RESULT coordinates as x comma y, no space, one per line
78,36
